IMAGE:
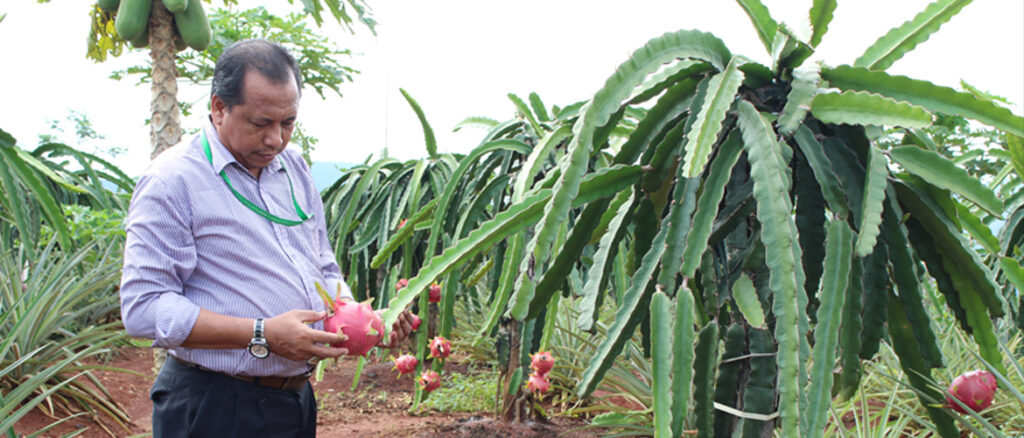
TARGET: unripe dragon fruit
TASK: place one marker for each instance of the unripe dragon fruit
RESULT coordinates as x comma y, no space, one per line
430,380
440,347
405,364
542,362
435,293
357,321
402,283
538,384
975,389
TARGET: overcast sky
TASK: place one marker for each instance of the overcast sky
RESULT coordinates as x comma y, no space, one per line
460,58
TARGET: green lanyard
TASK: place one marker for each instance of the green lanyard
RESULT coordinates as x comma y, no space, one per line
275,219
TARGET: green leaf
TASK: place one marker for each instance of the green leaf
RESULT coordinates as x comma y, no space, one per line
682,357
798,102
831,187
745,294
526,113
832,295
476,122
763,22
821,16
703,134
597,275
708,203
874,199
428,132
932,97
538,108
706,354
770,174
52,212
857,108
661,363
1011,267
941,172
904,38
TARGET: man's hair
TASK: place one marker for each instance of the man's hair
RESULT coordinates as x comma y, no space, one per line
270,59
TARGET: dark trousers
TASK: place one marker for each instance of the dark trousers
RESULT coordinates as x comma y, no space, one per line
189,402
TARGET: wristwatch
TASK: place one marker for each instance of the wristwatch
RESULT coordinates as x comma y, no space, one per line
258,344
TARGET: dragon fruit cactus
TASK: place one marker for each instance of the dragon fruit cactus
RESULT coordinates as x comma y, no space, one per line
538,383
357,321
405,364
440,347
541,362
975,389
435,293
430,380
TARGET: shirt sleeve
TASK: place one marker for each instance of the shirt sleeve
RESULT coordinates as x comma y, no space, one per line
159,256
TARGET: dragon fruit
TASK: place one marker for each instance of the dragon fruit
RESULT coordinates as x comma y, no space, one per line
440,347
402,283
975,389
357,321
435,293
541,362
405,364
538,383
430,380
416,321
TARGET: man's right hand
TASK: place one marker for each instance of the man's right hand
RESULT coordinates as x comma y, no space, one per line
290,336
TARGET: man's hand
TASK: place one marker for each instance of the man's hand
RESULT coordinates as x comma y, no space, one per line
399,331
289,335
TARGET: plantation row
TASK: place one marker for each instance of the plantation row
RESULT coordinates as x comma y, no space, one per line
737,248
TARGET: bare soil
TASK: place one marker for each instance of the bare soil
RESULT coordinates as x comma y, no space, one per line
379,407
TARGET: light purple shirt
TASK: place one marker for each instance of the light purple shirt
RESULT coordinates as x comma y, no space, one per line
191,244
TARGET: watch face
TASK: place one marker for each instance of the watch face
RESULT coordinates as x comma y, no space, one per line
259,350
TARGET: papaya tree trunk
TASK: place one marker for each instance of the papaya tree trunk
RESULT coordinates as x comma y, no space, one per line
165,123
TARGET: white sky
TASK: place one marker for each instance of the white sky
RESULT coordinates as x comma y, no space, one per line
460,58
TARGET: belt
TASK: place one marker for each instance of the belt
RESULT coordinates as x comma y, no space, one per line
293,383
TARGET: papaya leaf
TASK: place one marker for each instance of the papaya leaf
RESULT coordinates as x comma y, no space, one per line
904,38
859,108
932,97
941,172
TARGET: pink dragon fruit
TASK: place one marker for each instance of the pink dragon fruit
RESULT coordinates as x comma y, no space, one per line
538,384
357,321
975,389
402,283
430,380
405,364
440,347
541,362
416,321
435,293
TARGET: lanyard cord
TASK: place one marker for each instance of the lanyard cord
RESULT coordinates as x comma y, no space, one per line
255,208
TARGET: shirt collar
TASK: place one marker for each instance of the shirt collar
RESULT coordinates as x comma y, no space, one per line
222,157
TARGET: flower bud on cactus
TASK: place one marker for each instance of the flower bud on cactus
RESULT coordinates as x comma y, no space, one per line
542,362
402,283
401,224
430,380
405,364
975,389
538,384
435,293
356,321
440,347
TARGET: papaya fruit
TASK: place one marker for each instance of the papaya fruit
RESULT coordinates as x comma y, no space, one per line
142,40
193,26
132,18
176,6
108,5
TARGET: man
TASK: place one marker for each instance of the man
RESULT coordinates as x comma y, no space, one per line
225,245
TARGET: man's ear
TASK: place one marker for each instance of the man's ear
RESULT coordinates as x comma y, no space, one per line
218,109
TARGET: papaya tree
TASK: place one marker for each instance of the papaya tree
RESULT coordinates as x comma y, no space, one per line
167,27
736,189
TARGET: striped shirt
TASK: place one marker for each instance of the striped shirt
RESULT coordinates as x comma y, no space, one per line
191,244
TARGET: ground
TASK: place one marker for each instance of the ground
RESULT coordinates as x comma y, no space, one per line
378,408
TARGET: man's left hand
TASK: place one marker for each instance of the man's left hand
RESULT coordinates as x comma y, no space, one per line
399,331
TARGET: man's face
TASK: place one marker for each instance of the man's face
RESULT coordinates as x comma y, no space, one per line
259,128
